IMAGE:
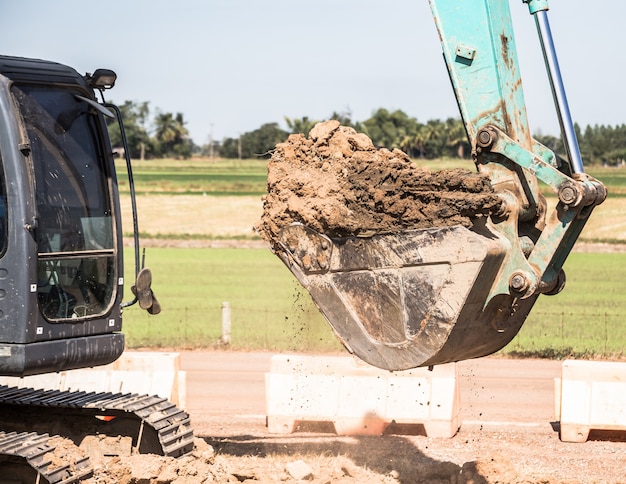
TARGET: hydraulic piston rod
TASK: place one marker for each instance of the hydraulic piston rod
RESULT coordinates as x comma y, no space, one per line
540,11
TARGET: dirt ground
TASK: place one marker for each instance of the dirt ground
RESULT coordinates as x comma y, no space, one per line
508,435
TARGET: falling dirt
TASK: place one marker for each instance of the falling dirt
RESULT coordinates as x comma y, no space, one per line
338,183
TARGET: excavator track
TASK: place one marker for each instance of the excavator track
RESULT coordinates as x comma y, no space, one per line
146,424
35,450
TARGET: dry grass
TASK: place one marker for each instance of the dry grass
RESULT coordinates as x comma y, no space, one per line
607,222
195,215
223,217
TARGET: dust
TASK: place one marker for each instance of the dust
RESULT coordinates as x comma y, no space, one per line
338,183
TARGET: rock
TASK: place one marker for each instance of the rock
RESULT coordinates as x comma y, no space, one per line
321,132
300,470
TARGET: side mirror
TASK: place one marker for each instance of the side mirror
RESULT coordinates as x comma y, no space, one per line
143,292
102,79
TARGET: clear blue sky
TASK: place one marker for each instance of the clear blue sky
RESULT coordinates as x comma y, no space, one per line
231,65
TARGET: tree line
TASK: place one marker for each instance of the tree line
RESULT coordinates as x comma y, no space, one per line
158,135
165,135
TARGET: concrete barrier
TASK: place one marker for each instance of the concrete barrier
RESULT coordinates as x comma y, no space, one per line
144,373
349,397
592,396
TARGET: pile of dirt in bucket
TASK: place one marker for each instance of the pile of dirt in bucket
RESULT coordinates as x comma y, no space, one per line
339,184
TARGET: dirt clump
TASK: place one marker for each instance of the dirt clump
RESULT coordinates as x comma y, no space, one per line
197,467
338,183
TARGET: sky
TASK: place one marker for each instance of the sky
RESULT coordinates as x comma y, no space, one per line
230,66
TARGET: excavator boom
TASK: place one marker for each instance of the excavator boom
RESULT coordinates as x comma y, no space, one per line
420,296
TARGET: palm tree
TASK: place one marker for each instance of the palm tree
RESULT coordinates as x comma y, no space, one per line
143,110
457,136
170,132
424,134
302,125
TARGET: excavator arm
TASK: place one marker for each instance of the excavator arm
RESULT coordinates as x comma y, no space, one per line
480,53
425,296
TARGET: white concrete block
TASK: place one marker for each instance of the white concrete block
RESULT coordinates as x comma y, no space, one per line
149,373
357,398
592,397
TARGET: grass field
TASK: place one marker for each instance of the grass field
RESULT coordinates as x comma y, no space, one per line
269,310
205,200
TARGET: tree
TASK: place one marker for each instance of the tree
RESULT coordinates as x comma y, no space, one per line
389,129
345,119
302,125
172,136
457,138
254,144
143,111
134,117
421,139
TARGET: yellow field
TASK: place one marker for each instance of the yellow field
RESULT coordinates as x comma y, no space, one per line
196,215
607,222
223,217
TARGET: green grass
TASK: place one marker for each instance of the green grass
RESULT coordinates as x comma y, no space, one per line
270,311
586,319
199,177
248,177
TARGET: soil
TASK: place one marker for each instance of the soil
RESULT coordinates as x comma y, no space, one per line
338,183
506,437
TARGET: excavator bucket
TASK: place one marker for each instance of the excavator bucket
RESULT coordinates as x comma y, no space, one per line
400,260
413,267
408,299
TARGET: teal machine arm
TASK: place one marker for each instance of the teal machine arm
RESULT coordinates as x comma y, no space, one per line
480,53
422,297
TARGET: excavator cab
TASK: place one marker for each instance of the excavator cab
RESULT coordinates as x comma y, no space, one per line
425,296
61,278
61,273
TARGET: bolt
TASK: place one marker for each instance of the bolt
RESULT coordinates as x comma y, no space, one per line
567,195
570,193
485,138
519,282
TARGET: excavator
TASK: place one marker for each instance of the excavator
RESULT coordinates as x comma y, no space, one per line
422,297
399,300
61,275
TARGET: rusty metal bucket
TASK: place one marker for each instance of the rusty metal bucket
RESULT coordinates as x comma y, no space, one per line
411,298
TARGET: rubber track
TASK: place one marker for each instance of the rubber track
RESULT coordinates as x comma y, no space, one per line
172,424
34,449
